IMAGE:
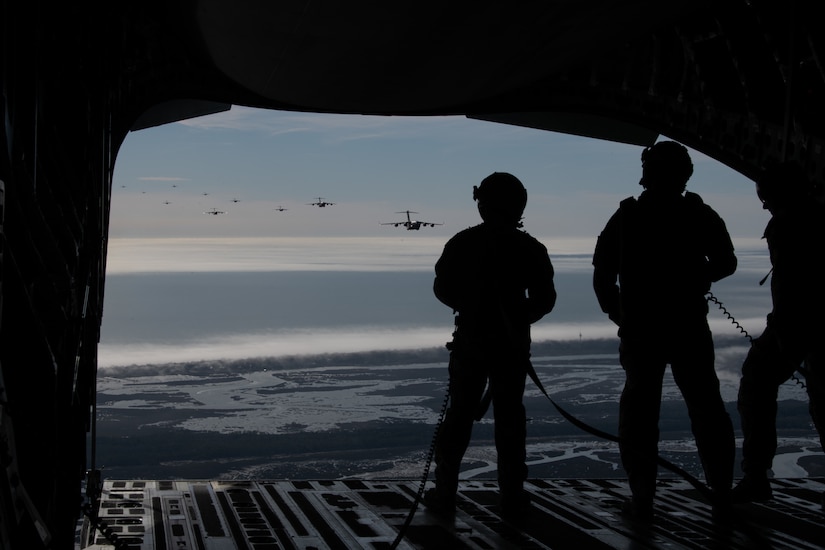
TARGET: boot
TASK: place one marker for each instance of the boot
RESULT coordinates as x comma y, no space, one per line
752,488
439,503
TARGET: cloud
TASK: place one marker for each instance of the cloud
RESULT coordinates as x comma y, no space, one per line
278,344
315,341
395,252
156,255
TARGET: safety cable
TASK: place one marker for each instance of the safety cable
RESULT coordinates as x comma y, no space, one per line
711,298
663,462
423,484
706,491
698,485
701,487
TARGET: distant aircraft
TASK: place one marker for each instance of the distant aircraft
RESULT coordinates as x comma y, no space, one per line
166,202
320,203
410,224
214,212
236,200
281,209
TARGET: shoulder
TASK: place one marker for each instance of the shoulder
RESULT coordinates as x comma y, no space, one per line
695,203
613,227
529,241
629,202
627,207
464,240
469,233
472,231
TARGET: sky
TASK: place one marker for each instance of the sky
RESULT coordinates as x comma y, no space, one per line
371,167
250,163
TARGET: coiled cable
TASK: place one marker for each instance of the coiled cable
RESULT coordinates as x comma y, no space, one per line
426,475
713,299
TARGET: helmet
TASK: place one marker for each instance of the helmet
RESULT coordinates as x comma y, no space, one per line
782,183
666,166
501,198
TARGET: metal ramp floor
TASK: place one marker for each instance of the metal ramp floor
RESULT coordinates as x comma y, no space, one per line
577,514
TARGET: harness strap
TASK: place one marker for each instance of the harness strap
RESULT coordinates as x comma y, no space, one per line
698,485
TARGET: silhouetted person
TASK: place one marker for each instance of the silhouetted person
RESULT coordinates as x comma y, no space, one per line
795,325
499,280
654,262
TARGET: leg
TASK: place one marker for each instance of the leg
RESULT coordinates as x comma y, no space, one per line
712,428
815,386
763,371
466,388
639,420
510,428
765,368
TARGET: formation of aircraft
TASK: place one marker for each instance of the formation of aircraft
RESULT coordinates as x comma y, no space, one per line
410,224
320,203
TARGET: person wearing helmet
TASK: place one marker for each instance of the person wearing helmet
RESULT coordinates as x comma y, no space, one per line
653,264
796,244
498,280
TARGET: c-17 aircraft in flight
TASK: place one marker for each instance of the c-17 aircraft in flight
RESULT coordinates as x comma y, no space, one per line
214,212
281,208
320,203
410,224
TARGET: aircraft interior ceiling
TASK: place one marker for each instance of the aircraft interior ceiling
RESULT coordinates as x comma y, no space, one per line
736,80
